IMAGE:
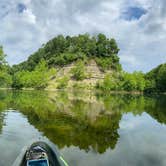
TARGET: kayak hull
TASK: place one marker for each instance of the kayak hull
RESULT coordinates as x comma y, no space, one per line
53,156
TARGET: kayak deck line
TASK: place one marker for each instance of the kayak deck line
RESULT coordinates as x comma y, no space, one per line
42,153
64,161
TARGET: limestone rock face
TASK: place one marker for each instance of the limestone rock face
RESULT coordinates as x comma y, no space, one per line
93,75
94,70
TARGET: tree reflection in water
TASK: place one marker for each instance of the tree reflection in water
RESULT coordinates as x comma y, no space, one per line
86,120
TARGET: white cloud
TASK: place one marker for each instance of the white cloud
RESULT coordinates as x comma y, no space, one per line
142,42
29,16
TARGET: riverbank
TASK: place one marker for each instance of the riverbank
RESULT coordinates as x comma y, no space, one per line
85,90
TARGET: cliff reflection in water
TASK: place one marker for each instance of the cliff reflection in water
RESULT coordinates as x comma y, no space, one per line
86,120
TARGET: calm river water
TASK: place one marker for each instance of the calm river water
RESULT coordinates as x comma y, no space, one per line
90,129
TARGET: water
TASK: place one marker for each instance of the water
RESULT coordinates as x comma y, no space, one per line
88,128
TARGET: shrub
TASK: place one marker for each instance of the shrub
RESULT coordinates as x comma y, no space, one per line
106,63
5,79
63,82
133,81
37,79
78,71
66,58
108,84
123,81
80,86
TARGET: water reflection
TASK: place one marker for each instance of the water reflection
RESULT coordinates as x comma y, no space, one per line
16,132
88,122
70,121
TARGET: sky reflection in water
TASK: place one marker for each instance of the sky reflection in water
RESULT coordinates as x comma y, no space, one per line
89,129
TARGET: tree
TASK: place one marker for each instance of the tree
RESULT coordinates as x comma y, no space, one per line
2,57
79,71
110,82
113,47
133,81
139,76
37,79
101,45
156,79
40,75
54,51
5,78
161,78
63,82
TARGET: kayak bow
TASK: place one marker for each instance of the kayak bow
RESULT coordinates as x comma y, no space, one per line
40,154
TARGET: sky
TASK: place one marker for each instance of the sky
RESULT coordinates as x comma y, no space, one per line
139,27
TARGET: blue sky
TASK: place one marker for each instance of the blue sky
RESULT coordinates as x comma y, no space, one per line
133,13
21,7
139,26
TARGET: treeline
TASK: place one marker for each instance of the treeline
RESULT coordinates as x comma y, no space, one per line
156,79
63,50
151,82
5,76
123,81
38,78
41,66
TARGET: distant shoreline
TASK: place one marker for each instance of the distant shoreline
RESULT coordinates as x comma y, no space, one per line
85,90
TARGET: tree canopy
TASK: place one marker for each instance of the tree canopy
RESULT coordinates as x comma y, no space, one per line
156,79
63,50
5,77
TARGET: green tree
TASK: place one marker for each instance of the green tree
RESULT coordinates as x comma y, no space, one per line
37,79
65,50
101,45
17,79
40,75
161,78
5,77
63,82
141,83
112,47
78,71
133,81
2,57
156,79
109,83
129,82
